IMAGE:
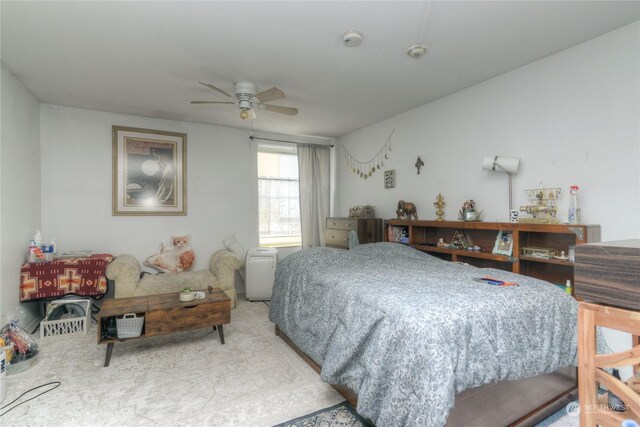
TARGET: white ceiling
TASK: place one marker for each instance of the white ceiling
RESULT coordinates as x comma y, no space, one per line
145,58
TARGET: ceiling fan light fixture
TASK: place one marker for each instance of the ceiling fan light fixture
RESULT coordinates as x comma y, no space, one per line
417,51
248,99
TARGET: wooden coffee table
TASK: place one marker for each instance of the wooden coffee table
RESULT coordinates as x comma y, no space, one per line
165,314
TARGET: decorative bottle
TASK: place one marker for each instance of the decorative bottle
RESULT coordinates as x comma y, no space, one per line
574,207
37,238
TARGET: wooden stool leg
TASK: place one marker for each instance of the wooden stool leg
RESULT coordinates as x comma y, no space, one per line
586,365
107,358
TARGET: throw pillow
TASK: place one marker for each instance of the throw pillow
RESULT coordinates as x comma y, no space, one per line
232,245
175,258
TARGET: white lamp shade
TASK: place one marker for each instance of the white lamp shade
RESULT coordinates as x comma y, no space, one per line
501,164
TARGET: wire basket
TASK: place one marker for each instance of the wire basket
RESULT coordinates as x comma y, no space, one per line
130,325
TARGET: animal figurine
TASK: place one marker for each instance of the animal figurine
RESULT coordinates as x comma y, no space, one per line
175,259
406,210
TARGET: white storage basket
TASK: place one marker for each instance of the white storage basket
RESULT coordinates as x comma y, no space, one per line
52,328
130,326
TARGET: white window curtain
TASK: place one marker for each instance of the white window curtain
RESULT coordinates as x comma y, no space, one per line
313,170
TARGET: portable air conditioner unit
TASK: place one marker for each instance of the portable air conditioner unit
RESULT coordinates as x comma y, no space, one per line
260,271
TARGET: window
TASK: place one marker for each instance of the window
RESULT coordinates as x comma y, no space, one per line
278,196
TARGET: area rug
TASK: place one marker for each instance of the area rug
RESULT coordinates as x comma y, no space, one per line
340,415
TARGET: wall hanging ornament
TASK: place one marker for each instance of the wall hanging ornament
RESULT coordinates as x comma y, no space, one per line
365,169
419,164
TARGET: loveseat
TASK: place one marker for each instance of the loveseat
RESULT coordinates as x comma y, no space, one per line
125,272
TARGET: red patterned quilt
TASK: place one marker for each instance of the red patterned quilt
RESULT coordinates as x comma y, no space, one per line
81,276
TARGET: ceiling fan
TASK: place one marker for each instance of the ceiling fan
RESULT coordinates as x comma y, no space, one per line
248,99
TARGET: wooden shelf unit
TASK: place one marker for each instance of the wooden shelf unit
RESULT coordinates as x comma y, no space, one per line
424,235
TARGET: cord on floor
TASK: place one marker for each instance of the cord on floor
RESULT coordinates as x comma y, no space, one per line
57,384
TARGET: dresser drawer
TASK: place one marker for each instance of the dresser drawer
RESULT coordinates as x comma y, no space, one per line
342,224
337,238
187,317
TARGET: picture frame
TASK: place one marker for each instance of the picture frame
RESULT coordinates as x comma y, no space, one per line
149,172
504,243
390,178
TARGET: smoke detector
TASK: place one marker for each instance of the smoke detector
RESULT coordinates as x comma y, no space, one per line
417,51
352,38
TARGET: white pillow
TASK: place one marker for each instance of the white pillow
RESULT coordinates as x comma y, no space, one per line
232,245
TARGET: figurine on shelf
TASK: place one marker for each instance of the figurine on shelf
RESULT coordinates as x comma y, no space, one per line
468,212
542,206
439,204
406,210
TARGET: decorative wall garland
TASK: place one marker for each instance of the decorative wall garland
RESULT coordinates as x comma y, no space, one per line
367,168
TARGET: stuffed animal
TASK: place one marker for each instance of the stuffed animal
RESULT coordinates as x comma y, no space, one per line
177,258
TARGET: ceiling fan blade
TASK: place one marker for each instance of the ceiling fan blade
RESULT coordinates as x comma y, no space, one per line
216,89
282,110
212,102
270,95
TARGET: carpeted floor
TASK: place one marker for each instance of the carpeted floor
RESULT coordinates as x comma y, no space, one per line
183,379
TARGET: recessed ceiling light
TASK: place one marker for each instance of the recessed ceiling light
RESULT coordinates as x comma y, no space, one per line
417,51
352,38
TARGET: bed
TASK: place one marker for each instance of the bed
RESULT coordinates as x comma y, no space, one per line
408,333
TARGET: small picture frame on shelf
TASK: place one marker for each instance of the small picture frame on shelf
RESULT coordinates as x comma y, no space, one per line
504,243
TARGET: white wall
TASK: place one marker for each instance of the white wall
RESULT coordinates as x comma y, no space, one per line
76,188
571,117
19,188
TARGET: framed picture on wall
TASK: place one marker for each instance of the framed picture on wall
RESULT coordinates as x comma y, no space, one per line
149,172
390,178
504,243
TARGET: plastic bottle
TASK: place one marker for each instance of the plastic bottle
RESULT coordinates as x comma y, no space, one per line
37,238
574,207
31,254
567,288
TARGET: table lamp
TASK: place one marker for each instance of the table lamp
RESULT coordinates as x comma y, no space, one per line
508,165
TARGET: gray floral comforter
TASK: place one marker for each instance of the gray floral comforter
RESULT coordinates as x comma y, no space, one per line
407,331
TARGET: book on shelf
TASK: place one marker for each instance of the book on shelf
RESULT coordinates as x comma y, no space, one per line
395,234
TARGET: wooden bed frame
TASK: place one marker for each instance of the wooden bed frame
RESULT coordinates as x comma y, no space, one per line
519,403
